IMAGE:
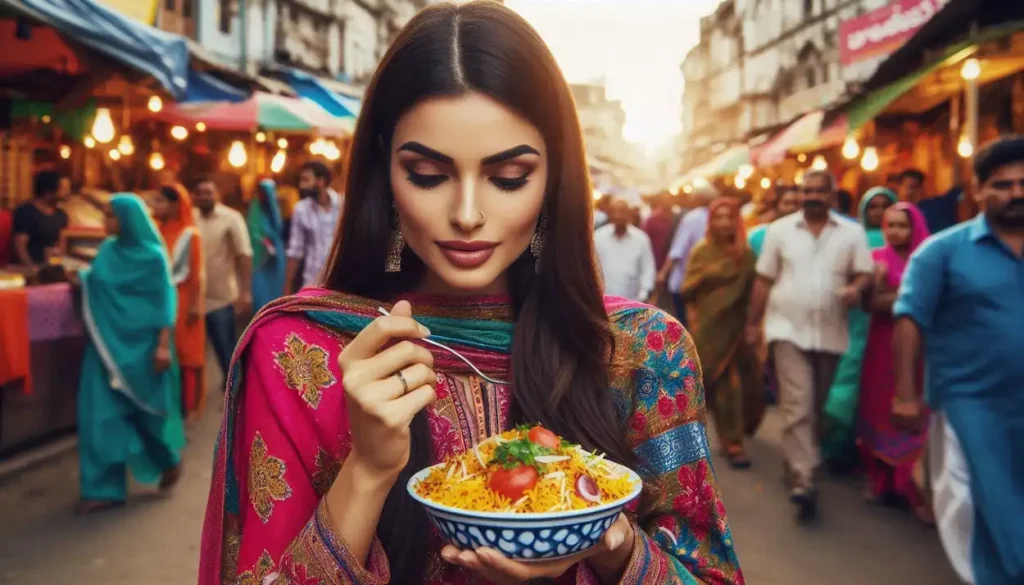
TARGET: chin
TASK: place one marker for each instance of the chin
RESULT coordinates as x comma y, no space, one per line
479,280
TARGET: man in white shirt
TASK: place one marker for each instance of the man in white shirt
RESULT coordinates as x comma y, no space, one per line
625,255
813,267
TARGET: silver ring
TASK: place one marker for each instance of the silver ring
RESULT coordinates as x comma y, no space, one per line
401,378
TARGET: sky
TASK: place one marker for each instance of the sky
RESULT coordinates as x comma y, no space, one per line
636,46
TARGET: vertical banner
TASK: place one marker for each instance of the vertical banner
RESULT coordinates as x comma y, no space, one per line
141,10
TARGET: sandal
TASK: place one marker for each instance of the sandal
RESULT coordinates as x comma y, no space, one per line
86,507
737,457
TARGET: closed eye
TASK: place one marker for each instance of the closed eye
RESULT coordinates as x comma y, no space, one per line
426,181
510,183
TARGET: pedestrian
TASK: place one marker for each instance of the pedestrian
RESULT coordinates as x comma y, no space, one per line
38,225
719,278
814,266
172,209
266,233
942,211
462,209
129,393
690,231
624,255
788,201
961,303
889,454
838,448
314,222
659,227
227,253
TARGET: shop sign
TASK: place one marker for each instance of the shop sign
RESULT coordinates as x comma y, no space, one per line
141,10
882,31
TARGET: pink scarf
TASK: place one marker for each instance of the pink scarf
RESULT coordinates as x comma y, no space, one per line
895,262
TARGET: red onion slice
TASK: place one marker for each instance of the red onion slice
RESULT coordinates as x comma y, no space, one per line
587,489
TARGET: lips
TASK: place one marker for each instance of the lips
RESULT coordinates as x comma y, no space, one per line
467,254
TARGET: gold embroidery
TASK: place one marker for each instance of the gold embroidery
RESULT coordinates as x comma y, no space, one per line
266,479
259,572
232,547
305,368
326,470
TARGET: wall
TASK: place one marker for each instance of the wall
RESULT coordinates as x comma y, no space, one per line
261,20
362,48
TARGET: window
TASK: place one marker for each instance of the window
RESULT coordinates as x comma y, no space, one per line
808,8
170,5
812,77
225,16
826,73
186,8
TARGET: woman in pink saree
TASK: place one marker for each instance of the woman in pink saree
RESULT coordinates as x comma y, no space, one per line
468,217
889,454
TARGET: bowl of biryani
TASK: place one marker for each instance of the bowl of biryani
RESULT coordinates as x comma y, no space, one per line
527,493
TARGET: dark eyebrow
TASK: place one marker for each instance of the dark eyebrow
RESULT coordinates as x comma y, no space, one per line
426,151
509,154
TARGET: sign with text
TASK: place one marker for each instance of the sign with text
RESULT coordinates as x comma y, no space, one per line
882,31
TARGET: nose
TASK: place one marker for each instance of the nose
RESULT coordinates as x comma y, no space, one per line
467,215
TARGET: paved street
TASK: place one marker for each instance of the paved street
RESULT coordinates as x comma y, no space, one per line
155,541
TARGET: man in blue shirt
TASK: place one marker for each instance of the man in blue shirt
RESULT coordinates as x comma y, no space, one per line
962,300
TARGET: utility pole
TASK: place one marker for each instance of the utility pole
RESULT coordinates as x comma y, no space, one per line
243,31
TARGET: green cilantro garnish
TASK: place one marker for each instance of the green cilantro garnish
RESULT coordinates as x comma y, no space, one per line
519,452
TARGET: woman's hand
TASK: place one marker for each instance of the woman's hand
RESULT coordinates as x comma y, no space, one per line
385,390
608,558
162,358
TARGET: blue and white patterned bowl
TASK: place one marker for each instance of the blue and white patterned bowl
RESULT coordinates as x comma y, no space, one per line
525,537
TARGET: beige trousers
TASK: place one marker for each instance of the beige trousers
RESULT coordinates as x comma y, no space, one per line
804,378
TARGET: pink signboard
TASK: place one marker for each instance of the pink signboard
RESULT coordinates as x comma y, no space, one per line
882,31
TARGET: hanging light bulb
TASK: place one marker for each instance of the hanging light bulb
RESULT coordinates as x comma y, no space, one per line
65,151
801,157
277,163
745,171
740,182
819,163
331,151
155,104
596,195
179,133
46,119
851,149
156,161
317,146
687,189
869,162
798,178
200,126
964,147
261,137
89,142
282,143
971,69
125,145
237,156
103,126
766,183
114,154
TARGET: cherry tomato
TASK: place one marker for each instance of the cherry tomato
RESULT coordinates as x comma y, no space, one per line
512,483
544,437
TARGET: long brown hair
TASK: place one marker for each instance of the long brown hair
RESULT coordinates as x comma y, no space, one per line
562,342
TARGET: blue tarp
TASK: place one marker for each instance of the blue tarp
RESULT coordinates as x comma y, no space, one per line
311,88
156,53
203,87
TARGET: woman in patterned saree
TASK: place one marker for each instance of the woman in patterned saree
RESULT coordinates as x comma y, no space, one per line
468,204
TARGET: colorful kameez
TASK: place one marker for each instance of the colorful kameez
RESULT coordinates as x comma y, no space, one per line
189,276
129,415
284,440
266,231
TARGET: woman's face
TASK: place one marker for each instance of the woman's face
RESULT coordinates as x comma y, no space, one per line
723,223
876,210
162,207
110,221
897,228
790,202
469,177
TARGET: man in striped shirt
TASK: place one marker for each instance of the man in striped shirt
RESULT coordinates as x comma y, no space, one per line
314,222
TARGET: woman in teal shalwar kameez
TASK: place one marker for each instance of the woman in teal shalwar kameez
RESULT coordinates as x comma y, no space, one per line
837,445
129,397
266,230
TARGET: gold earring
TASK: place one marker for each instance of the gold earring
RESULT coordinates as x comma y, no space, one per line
394,263
537,243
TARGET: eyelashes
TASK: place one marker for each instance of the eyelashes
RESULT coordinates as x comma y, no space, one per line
510,184
426,181
506,184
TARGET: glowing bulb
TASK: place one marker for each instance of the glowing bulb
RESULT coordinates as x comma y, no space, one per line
673,191
869,162
125,145
282,143
89,142
331,151
596,195
179,133
156,161
687,189
798,178
819,163
277,163
155,104
971,69
114,154
65,151
740,182
46,119
200,126
964,147
801,157
745,171
236,155
318,146
851,149
766,183
261,137
103,126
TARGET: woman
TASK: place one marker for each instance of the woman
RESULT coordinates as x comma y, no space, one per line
266,230
129,398
838,444
719,279
889,454
468,203
172,208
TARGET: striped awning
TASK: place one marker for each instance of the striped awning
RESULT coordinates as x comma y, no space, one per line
804,130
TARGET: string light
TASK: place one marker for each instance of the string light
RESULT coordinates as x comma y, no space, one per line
687,189
740,182
766,183
971,69
237,156
869,162
65,151
156,161
801,157
746,171
89,142
851,149
125,145
277,163
103,126
819,163
282,143
200,126
261,137
114,154
155,104
179,133
964,147
46,119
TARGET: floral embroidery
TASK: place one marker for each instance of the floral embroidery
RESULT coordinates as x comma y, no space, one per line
297,573
327,469
656,341
306,369
696,498
444,437
266,479
232,548
259,572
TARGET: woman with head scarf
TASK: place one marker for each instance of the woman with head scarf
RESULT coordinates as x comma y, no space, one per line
889,453
719,279
840,413
172,208
129,396
266,231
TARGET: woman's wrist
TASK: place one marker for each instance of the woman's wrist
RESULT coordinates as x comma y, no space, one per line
354,504
611,565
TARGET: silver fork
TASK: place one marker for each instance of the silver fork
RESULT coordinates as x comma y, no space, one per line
384,312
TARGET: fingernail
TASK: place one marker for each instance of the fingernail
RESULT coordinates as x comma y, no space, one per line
424,331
